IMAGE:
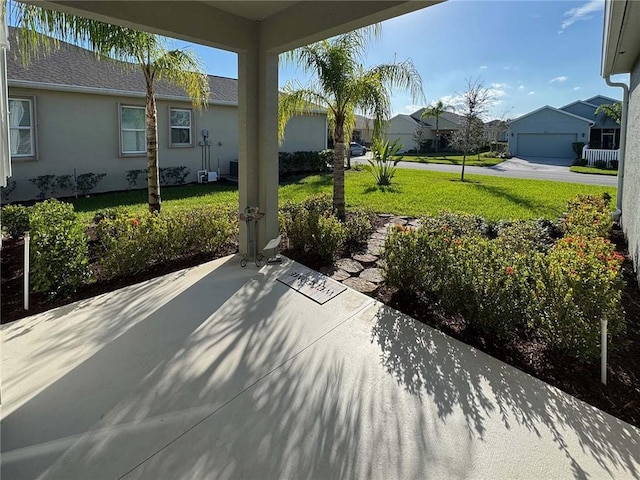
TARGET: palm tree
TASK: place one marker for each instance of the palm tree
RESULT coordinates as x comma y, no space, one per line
611,110
132,48
342,85
436,110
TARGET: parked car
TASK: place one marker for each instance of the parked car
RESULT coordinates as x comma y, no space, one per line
357,150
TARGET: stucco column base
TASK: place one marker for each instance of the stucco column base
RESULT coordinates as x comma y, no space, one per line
258,140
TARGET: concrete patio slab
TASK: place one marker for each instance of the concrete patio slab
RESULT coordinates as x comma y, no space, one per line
223,372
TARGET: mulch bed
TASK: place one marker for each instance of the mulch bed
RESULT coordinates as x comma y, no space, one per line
621,397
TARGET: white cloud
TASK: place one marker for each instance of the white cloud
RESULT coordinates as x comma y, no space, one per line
411,108
500,86
558,79
521,87
577,88
583,12
483,67
532,92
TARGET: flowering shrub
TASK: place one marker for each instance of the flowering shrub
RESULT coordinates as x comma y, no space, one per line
578,284
128,244
588,216
518,277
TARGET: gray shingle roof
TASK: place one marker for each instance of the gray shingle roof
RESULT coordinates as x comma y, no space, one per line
74,66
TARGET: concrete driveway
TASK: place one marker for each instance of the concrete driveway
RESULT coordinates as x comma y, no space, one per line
556,169
223,372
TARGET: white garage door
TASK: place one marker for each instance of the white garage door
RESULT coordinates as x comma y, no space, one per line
546,145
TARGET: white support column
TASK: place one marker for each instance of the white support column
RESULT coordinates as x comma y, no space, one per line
258,139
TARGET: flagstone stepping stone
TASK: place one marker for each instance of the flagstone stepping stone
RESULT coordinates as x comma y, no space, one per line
374,250
415,223
364,257
379,236
373,275
340,275
381,264
363,286
349,265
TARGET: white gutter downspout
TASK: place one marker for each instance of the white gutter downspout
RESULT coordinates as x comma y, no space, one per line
623,142
5,156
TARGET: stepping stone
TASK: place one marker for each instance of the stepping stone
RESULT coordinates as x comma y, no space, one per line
340,275
381,231
381,264
349,265
385,215
360,285
375,242
374,250
379,236
364,257
414,223
373,275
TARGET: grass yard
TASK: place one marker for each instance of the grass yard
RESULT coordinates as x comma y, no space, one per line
472,160
594,170
413,193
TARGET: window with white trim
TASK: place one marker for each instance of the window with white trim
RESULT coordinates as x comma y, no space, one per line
180,125
133,131
22,138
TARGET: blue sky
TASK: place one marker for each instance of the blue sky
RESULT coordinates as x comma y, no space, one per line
530,53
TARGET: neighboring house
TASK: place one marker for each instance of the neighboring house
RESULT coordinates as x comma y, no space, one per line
70,112
404,127
550,132
362,131
621,55
496,131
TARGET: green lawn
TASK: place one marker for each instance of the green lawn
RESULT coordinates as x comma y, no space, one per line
472,160
413,193
594,170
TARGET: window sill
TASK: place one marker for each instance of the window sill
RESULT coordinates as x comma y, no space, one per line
181,145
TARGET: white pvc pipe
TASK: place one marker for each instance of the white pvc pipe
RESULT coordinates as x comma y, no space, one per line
603,347
25,271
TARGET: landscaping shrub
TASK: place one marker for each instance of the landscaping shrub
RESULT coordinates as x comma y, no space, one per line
577,148
383,167
588,216
305,162
600,164
129,244
614,164
455,224
15,220
59,253
579,162
310,226
576,285
88,181
358,228
528,235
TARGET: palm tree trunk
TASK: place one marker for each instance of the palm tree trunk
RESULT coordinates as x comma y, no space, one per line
338,173
153,172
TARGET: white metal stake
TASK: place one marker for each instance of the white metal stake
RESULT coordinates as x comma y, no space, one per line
25,271
603,345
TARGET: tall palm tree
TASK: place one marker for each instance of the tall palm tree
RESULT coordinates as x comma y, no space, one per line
39,26
436,110
342,85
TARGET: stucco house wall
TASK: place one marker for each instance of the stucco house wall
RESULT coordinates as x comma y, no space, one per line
305,133
631,191
402,128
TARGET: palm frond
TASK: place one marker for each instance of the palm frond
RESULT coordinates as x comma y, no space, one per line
182,68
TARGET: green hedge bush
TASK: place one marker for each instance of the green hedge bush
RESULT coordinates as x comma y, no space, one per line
517,276
15,220
59,252
128,244
305,162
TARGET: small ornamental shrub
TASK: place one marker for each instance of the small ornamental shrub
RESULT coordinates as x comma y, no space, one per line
614,164
525,236
577,148
579,162
358,228
310,226
600,164
578,284
455,224
5,192
15,220
88,181
588,216
45,184
110,213
305,162
59,252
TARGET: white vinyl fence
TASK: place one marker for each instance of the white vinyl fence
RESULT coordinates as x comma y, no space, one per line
593,155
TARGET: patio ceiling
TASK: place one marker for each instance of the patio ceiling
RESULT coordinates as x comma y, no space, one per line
233,25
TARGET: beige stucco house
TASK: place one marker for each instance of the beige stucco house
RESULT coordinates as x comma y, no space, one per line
621,54
70,113
403,128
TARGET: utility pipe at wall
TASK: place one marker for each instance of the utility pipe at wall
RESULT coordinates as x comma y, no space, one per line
623,142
